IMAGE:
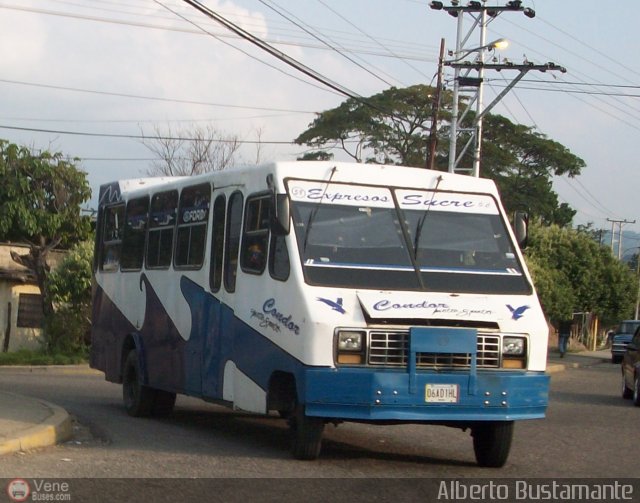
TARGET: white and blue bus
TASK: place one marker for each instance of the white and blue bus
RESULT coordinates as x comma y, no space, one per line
325,292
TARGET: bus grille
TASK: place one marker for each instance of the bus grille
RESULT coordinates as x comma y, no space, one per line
392,349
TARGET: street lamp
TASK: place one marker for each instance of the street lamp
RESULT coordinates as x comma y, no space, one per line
501,43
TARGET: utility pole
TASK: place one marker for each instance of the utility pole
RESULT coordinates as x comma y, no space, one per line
471,85
620,224
637,271
433,133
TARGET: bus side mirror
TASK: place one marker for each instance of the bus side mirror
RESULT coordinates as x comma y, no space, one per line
280,214
521,228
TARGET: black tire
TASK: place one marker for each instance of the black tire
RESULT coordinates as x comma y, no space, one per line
163,403
626,392
616,359
492,442
138,399
306,435
636,391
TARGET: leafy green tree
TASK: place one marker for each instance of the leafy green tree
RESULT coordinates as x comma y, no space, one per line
70,282
40,198
572,273
69,327
393,127
319,155
554,290
522,162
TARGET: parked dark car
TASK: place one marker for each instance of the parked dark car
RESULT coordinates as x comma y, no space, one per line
631,369
621,338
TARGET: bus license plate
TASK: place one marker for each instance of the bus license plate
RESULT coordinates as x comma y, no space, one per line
441,393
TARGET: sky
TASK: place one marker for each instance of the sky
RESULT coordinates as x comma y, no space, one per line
90,78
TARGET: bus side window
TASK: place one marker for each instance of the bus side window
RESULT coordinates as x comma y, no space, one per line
112,237
279,266
217,243
162,220
135,231
193,216
232,243
255,236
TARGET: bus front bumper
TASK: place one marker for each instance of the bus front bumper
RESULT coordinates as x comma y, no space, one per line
365,394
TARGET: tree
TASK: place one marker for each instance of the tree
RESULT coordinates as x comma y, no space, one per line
392,127
194,151
68,330
40,198
573,273
522,161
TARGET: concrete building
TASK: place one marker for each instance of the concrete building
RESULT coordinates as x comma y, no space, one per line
20,300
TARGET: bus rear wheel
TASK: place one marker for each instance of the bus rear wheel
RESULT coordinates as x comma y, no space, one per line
492,442
306,434
163,403
138,399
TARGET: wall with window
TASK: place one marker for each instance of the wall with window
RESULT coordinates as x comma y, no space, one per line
20,300
20,316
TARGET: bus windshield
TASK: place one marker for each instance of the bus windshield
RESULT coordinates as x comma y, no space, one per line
376,238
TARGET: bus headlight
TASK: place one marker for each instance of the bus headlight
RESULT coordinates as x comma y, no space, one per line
514,353
350,341
350,347
513,346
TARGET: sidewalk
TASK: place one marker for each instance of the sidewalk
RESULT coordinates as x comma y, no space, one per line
29,423
575,360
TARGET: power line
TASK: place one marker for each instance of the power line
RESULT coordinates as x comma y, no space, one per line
370,37
591,201
605,56
137,137
578,91
297,22
598,64
417,54
154,98
573,83
261,44
285,58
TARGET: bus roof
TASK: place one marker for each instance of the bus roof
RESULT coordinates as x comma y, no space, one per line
255,178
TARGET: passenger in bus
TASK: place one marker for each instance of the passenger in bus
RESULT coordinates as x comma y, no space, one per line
256,256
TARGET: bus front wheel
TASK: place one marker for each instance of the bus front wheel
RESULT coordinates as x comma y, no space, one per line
138,399
492,442
306,434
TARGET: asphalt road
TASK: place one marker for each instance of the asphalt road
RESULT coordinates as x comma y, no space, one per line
589,432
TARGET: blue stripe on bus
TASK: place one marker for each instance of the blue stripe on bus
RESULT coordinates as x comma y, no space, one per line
218,336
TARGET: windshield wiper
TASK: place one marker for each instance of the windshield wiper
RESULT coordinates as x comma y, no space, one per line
419,227
314,212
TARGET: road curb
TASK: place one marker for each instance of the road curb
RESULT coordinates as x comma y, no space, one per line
553,368
56,428
57,369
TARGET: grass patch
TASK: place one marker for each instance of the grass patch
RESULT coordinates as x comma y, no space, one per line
40,357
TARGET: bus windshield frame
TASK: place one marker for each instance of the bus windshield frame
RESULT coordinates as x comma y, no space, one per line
371,237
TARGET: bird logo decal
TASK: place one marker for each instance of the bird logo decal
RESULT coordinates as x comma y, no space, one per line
517,312
336,305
